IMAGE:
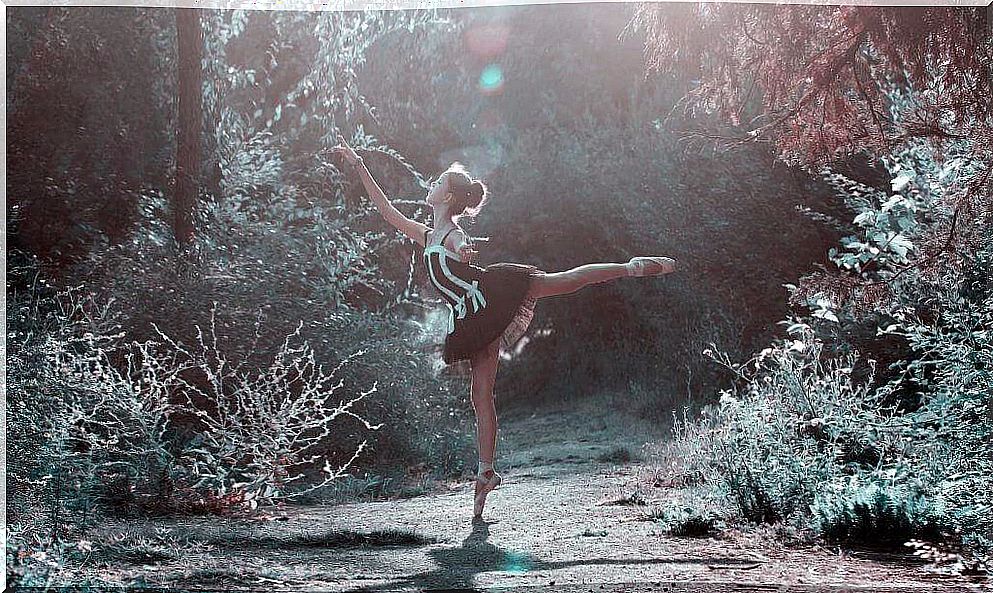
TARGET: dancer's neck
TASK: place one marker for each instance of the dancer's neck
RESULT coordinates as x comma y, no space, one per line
442,228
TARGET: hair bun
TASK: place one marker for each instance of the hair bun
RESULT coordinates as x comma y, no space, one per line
469,195
474,194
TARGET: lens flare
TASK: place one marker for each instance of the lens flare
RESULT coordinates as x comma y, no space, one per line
491,79
516,562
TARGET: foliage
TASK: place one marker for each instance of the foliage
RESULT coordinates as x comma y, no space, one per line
99,422
906,234
70,174
872,418
583,170
874,511
329,275
297,96
953,365
64,444
682,519
102,431
285,231
823,83
281,236
257,430
804,444
38,560
814,79
807,439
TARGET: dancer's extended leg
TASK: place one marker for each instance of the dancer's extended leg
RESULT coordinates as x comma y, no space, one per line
484,369
556,283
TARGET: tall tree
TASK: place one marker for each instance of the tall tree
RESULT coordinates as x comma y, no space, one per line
189,42
814,79
89,93
818,84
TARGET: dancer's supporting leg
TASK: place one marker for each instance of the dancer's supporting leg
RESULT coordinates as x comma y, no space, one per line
556,283
484,368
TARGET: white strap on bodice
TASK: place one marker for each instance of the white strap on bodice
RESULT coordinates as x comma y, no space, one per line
472,292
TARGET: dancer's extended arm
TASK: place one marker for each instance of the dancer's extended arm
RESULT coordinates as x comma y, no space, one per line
413,229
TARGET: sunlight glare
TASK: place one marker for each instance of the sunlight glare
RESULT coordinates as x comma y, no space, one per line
491,79
516,562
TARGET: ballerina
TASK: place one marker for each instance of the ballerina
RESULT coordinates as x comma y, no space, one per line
489,307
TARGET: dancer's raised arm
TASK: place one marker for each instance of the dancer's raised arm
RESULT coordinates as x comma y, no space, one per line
413,229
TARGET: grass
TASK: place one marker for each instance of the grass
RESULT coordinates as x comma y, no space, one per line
141,548
683,521
370,488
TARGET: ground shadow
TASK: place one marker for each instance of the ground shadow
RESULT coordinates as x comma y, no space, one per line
457,567
331,539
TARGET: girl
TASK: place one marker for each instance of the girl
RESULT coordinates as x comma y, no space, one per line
489,307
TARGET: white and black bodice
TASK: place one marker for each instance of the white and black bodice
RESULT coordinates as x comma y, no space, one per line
457,281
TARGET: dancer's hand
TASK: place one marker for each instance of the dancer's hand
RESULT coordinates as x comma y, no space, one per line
468,254
346,152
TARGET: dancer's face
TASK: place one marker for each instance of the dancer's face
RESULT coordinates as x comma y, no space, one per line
438,194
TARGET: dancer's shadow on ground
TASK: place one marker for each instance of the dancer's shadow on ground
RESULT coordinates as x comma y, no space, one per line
458,567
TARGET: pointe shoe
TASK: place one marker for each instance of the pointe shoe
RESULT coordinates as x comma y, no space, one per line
484,486
651,266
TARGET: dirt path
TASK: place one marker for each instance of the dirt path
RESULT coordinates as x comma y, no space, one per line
550,524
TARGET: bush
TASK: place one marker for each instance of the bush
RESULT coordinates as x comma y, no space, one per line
874,512
952,364
165,418
349,283
802,444
106,420
819,432
684,519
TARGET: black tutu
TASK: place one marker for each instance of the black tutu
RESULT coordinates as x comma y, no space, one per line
486,304
506,316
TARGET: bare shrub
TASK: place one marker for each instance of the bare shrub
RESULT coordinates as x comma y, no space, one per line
259,430
103,421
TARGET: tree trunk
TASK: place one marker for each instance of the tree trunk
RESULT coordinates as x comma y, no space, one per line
189,41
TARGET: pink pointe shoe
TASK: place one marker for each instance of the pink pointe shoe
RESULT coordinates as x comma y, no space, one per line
651,266
484,486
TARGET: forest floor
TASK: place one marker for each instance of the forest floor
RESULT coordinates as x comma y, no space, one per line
558,522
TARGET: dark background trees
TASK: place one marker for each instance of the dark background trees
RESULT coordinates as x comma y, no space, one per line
566,139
